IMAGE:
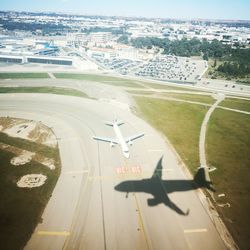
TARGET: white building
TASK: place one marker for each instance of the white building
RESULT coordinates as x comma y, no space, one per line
100,37
128,53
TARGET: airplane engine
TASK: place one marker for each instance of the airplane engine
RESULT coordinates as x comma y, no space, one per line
112,144
130,143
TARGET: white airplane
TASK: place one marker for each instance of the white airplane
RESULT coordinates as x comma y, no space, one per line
119,138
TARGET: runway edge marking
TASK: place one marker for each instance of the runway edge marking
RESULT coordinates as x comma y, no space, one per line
53,233
201,230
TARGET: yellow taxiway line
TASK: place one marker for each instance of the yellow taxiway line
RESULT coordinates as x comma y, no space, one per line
140,220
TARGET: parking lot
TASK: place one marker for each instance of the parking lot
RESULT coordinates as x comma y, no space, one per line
161,67
168,67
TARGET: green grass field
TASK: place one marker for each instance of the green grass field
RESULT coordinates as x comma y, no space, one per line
140,92
20,208
236,104
110,80
180,122
228,149
50,90
23,75
189,97
170,87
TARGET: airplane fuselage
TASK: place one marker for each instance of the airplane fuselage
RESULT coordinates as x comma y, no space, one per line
121,140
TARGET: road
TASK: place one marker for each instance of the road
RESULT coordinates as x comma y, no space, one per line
85,211
202,137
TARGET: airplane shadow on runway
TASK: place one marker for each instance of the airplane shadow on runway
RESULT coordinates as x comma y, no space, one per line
160,189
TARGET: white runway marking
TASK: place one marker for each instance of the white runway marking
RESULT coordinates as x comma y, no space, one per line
202,230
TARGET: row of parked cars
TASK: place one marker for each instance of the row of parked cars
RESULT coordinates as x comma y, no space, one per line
120,65
171,68
163,67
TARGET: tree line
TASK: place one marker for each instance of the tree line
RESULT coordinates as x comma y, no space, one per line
46,27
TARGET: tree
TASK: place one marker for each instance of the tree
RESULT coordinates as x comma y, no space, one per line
123,39
205,57
215,63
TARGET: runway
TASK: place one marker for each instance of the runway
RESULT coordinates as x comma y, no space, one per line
86,211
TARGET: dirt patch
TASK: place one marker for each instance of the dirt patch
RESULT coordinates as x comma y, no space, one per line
29,130
12,149
48,162
22,159
44,135
7,122
20,130
23,156
31,181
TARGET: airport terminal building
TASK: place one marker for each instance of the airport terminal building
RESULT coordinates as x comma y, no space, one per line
50,60
65,61
15,51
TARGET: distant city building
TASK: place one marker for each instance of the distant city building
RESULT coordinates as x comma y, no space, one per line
83,39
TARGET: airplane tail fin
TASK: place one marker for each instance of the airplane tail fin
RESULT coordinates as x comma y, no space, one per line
119,123
200,180
158,170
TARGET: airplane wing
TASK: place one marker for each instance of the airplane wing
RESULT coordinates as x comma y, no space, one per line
134,137
110,140
118,122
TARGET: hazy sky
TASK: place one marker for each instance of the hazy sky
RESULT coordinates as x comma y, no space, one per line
216,9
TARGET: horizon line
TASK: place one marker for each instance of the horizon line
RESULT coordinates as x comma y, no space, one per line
132,16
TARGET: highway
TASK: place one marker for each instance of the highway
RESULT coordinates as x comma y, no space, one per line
86,211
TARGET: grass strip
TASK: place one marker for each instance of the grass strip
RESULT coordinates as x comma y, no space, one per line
23,75
28,145
234,103
110,80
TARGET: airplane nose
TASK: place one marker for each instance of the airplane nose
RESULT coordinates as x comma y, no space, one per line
126,154
122,187
117,187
